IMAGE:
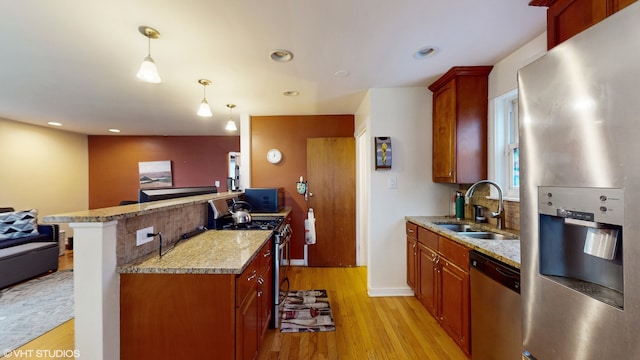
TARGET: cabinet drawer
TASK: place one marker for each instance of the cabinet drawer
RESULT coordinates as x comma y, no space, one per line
412,230
428,238
265,257
246,281
455,252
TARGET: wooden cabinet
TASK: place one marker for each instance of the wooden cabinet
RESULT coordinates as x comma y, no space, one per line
428,281
264,292
196,316
412,254
566,18
247,327
459,118
442,284
254,310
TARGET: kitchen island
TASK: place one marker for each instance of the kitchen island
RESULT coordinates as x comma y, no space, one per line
104,240
207,298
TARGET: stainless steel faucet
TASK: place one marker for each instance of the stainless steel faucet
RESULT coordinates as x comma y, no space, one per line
499,215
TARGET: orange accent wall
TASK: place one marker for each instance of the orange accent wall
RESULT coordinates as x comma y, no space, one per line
113,163
289,134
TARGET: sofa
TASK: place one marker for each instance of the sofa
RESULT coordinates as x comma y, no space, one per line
27,249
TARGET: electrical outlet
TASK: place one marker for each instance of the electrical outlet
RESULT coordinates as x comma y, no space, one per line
141,236
217,183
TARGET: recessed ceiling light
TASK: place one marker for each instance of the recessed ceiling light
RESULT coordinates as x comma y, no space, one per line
425,52
342,73
281,55
54,123
291,93
114,130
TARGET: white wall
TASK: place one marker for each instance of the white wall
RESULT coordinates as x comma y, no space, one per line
404,114
504,78
42,168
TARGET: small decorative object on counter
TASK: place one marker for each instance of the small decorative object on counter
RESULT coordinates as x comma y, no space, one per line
459,205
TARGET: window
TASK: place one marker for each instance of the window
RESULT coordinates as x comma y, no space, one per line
507,151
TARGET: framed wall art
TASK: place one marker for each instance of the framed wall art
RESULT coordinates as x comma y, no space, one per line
155,174
383,152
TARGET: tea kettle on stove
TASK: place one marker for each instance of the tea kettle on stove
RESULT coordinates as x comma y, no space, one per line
241,212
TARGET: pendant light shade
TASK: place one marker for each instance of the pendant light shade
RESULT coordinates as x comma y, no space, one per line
148,71
204,110
231,125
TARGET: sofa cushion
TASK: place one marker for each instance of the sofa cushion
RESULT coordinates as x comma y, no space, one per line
24,248
17,224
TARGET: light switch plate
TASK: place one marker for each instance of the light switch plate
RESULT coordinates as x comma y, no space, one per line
141,236
392,182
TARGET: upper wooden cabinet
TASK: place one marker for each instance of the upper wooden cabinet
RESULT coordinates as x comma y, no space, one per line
566,18
460,125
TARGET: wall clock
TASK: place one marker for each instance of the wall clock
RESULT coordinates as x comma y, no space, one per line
274,156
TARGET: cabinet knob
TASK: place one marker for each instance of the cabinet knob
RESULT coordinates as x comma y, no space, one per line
260,280
260,293
267,254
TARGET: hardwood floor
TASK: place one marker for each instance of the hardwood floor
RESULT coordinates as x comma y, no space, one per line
366,328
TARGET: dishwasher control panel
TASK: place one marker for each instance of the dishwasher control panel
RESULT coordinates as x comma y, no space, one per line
500,272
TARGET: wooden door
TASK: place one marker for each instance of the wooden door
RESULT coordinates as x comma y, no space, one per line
331,175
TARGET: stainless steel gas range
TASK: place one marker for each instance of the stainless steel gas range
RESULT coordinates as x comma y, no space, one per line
220,218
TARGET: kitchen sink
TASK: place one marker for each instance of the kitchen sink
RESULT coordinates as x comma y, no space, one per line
458,227
487,235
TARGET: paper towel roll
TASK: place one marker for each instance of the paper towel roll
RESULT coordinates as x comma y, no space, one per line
310,228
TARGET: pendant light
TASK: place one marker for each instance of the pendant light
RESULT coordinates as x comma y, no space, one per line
231,125
148,71
204,110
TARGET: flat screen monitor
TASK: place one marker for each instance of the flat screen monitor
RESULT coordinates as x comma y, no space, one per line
146,195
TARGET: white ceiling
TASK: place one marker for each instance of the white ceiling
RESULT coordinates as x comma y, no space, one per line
74,62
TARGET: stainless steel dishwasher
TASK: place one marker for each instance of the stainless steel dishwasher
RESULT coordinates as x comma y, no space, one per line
496,325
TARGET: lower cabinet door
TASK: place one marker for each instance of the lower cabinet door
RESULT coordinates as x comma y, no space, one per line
455,307
265,303
247,327
427,291
412,260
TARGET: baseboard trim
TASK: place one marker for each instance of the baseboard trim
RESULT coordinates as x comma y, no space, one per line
390,292
296,262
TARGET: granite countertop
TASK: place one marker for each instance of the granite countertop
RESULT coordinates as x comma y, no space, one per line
133,210
507,251
212,252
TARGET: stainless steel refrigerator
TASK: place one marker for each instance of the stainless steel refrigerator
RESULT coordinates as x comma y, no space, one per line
580,195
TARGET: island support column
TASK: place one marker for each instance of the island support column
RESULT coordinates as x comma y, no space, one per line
96,290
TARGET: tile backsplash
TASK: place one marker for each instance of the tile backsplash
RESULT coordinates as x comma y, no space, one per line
171,223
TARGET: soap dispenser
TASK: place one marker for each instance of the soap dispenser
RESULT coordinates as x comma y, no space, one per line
479,214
